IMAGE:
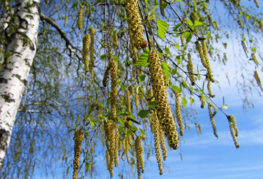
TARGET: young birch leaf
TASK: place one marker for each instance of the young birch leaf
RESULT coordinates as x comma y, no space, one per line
162,28
143,59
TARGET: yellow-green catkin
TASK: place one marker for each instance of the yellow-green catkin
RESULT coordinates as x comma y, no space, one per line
137,102
202,100
182,40
139,155
92,36
80,18
110,144
257,78
116,149
115,40
160,94
128,100
85,51
155,130
244,46
162,142
256,2
160,130
135,24
178,112
210,89
78,137
106,76
190,68
194,17
211,115
114,90
255,59
260,24
162,7
233,129
209,74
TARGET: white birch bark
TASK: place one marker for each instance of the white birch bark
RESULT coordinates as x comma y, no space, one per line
13,78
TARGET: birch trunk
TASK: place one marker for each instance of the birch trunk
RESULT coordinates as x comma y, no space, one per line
22,47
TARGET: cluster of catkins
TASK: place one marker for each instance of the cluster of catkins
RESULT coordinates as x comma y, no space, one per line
160,94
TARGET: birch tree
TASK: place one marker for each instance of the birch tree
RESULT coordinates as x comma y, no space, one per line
106,69
20,24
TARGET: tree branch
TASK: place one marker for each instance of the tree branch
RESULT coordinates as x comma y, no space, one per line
69,45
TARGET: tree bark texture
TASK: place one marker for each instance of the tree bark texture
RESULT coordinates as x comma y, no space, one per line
21,46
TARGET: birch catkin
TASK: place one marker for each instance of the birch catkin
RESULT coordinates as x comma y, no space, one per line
78,137
178,113
85,51
135,24
190,68
155,129
211,115
233,129
160,94
92,59
80,18
114,90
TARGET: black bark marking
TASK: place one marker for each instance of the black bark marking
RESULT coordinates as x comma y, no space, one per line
27,62
3,80
3,139
7,98
19,78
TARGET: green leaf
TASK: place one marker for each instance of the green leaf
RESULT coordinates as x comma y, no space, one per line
142,78
143,59
176,89
143,113
162,28
166,69
189,22
198,23
188,36
184,101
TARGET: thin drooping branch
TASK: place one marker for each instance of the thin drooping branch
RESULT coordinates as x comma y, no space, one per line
69,45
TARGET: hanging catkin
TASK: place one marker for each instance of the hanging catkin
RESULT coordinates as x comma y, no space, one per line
257,78
178,113
162,142
139,156
110,144
160,93
135,24
155,130
254,58
85,51
160,130
256,2
114,90
128,100
190,68
106,76
202,100
80,18
115,40
116,149
78,137
209,74
233,129
211,115
210,90
92,59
